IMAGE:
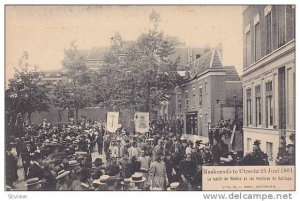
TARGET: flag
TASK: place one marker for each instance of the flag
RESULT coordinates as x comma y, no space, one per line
112,122
141,121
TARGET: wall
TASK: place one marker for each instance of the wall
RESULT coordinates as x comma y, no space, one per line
266,135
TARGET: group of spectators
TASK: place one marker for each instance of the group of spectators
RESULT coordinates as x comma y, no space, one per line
87,157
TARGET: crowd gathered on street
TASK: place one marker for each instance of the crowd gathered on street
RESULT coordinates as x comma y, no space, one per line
86,156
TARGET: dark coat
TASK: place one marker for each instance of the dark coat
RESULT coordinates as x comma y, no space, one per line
35,170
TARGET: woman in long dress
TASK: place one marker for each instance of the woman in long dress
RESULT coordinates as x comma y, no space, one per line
157,174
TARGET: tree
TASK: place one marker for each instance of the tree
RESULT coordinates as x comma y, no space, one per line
26,93
146,75
75,92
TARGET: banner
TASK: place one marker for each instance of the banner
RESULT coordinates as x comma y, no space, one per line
112,122
141,122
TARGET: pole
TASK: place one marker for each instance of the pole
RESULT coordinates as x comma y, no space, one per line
235,112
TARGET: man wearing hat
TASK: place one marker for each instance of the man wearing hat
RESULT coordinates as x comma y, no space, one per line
256,147
85,175
98,168
219,150
196,154
62,178
138,179
100,184
33,184
49,174
35,169
259,157
112,167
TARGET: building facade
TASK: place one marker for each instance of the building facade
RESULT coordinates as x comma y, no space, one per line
268,76
212,93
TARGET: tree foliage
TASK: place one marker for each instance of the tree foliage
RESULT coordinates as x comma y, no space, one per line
74,92
141,75
26,93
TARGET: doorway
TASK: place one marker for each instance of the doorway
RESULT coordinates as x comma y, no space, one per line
192,123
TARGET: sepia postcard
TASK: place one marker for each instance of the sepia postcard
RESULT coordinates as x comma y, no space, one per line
150,98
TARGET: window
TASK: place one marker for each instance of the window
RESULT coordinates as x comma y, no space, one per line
179,100
269,147
269,86
179,104
268,21
186,99
249,144
258,105
249,108
194,97
257,41
198,56
200,96
269,111
59,115
70,114
269,104
281,25
248,49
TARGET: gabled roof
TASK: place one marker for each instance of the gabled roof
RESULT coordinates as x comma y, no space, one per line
212,59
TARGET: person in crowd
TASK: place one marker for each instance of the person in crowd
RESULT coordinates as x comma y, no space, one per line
99,142
117,150
127,168
84,178
170,171
97,173
145,161
157,174
188,172
35,169
133,150
112,167
11,168
49,175
106,147
136,165
62,178
158,149
26,158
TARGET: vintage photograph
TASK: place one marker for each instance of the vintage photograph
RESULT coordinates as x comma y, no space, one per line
149,97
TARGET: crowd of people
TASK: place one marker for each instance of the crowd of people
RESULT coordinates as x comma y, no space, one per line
87,157
59,157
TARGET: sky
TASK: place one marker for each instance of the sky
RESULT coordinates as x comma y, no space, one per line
45,31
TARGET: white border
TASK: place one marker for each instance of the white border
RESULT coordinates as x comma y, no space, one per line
121,195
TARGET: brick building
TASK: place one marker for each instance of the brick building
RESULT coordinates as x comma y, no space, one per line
213,92
268,76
